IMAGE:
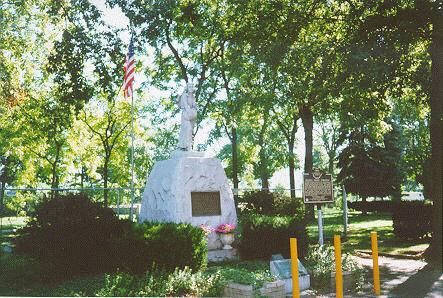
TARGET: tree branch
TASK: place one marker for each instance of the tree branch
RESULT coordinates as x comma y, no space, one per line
175,53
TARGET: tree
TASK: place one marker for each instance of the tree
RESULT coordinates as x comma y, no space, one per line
109,128
384,37
329,135
183,36
42,130
371,169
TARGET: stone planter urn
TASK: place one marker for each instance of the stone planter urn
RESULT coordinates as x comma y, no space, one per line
227,239
348,280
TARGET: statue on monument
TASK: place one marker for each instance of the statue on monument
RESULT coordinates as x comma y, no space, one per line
188,107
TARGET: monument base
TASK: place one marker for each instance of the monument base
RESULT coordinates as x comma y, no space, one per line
222,255
189,188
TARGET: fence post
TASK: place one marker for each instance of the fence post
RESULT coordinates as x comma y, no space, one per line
294,268
320,225
338,269
118,202
345,212
376,273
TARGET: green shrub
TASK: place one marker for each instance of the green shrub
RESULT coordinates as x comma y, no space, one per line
185,283
71,235
320,262
256,278
122,284
373,206
181,282
270,203
412,220
263,236
167,245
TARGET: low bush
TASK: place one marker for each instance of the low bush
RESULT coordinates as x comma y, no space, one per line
372,206
263,236
71,235
320,262
246,276
165,245
270,203
180,283
412,220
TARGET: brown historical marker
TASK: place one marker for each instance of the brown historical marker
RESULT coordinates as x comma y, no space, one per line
205,203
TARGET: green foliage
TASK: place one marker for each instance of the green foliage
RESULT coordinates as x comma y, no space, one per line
412,220
165,245
320,262
263,235
71,235
23,203
238,274
18,274
181,282
368,168
270,203
372,206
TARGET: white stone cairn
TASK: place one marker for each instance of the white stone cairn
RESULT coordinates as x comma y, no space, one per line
167,195
188,107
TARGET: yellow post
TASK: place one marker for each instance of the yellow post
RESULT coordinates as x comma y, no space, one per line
338,270
376,273
294,268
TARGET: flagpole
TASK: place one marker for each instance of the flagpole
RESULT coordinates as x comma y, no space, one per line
132,156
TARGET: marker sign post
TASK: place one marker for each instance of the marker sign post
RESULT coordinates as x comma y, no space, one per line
317,189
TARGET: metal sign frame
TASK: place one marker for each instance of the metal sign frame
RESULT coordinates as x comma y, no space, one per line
316,176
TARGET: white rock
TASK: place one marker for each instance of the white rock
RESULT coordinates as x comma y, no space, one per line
167,195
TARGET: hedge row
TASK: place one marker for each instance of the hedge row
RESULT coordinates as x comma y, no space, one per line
270,203
263,236
411,219
372,206
72,235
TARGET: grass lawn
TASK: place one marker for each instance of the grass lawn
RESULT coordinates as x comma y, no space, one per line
359,231
21,276
7,225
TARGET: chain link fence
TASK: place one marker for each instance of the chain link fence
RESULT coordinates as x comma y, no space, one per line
21,201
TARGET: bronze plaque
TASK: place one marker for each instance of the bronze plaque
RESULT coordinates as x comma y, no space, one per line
317,188
205,203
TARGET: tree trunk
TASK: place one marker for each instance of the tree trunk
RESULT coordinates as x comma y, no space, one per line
234,162
436,135
363,200
331,164
82,177
264,176
292,168
263,167
307,118
105,181
2,195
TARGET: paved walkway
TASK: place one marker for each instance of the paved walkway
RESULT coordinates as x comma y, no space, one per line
400,278
405,278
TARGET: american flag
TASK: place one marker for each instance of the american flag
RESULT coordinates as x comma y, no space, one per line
129,68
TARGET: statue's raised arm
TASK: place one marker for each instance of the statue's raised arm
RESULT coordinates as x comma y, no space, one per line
188,107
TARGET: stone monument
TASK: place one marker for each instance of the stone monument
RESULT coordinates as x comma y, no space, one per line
189,187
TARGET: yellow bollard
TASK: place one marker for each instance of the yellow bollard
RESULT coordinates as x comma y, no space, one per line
338,269
294,268
376,273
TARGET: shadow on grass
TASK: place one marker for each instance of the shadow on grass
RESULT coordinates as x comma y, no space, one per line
359,233
420,284
22,276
